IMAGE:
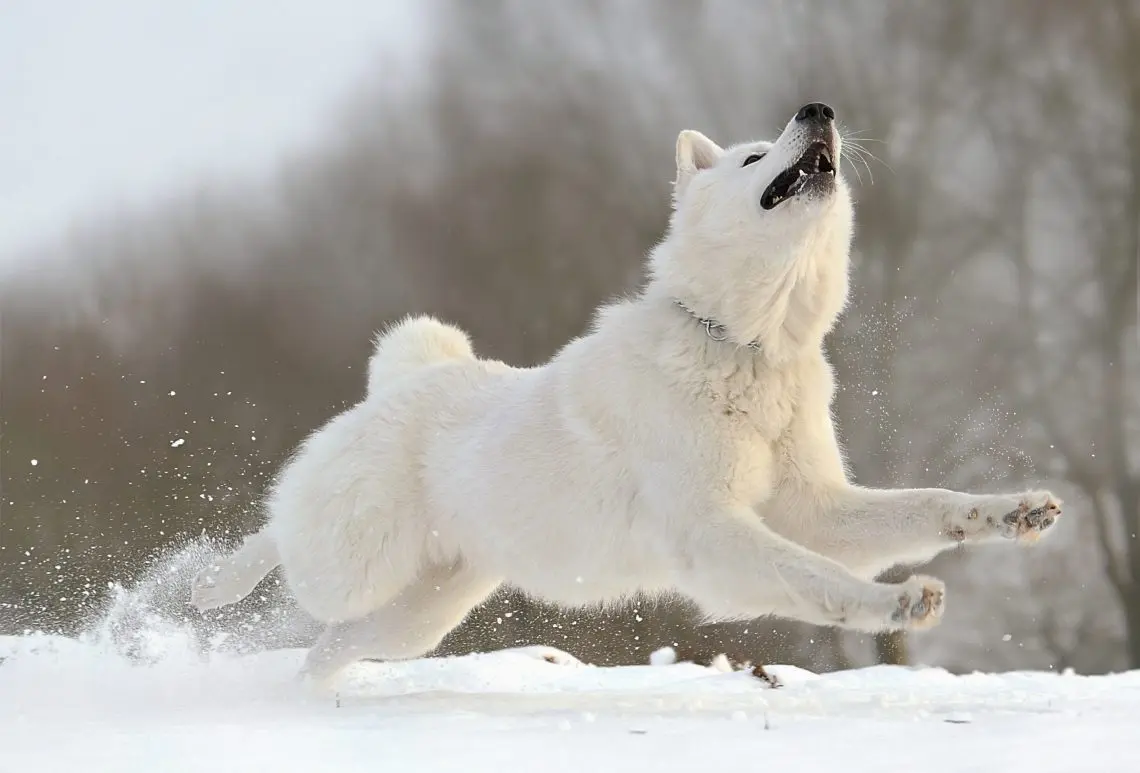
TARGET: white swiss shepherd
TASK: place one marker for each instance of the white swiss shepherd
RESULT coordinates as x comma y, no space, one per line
686,443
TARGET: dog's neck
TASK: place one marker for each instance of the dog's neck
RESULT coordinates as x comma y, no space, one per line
716,330
778,304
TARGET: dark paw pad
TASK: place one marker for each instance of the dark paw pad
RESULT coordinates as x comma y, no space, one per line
921,611
1027,523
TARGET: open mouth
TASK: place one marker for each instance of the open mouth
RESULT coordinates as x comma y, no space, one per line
814,164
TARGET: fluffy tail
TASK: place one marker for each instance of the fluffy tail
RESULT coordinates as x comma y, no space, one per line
412,343
234,577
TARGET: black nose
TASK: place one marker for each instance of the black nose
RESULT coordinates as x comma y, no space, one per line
817,112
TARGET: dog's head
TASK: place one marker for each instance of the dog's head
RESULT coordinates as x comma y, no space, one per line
789,189
752,220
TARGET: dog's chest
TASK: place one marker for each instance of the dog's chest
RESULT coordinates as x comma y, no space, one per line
753,406
749,415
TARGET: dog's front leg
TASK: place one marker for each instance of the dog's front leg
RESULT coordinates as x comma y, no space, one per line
874,529
735,567
869,529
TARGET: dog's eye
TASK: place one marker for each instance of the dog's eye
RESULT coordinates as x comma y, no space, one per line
752,159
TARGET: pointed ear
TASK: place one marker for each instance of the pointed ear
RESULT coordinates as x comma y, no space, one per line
695,152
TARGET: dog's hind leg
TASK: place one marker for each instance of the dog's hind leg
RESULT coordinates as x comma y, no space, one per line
410,625
234,577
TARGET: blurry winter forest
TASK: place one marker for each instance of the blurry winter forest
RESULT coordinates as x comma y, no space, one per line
158,366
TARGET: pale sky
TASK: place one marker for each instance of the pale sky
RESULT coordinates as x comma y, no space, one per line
105,104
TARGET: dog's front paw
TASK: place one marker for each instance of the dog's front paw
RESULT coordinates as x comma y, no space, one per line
919,603
1022,517
1035,513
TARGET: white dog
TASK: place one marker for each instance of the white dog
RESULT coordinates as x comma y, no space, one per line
685,444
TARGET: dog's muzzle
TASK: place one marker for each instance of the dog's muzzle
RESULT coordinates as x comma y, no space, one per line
815,168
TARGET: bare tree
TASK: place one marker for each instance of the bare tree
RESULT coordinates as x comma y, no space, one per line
1077,249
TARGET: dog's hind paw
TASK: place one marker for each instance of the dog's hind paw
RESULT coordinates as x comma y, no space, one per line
920,603
206,593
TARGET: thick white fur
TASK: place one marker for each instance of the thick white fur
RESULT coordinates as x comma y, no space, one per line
645,456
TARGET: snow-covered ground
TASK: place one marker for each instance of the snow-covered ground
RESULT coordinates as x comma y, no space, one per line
69,705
